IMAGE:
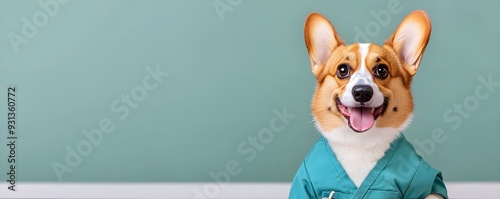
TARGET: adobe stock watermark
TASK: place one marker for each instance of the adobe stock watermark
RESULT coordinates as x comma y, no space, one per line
458,113
223,6
382,18
121,107
32,24
248,149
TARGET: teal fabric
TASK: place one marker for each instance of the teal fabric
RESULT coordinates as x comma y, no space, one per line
401,173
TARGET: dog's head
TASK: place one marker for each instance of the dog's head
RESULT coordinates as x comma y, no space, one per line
364,87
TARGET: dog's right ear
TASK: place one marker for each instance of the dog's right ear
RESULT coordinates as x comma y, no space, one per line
321,39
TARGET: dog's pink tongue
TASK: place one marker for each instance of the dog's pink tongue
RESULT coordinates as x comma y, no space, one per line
361,119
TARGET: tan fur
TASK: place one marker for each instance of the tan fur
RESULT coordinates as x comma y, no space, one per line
396,87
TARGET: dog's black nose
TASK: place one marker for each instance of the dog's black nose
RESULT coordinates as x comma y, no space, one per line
362,93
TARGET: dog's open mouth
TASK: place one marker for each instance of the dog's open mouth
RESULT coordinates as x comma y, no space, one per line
361,118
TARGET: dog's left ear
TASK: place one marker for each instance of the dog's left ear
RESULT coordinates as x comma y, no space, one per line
410,39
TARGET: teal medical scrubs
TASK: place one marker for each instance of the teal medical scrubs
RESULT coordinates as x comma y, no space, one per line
401,173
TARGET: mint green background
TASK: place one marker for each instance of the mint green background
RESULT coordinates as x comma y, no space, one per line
226,76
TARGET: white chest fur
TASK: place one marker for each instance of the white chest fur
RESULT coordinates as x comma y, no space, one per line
358,153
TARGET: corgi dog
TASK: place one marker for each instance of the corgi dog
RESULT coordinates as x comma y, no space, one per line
361,106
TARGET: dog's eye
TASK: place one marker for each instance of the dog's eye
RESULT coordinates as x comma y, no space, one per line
343,71
381,71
